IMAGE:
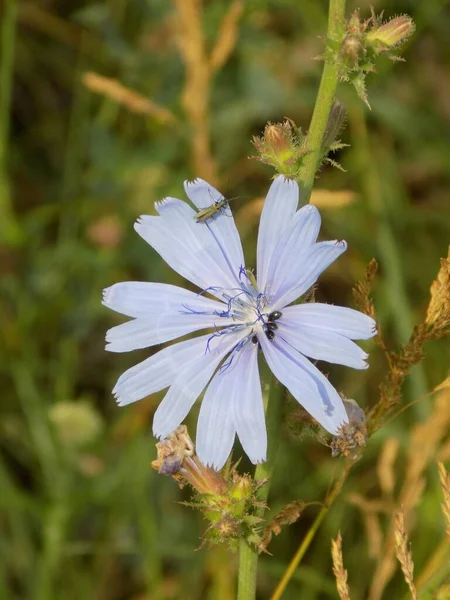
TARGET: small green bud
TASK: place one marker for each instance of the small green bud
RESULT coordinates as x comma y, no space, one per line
242,488
354,24
351,50
278,137
392,33
282,147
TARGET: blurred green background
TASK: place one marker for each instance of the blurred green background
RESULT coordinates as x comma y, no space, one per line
82,515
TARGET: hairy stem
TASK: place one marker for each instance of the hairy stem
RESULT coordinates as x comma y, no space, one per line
248,555
322,109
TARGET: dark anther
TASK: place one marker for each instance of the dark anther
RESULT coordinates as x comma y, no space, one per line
276,314
255,339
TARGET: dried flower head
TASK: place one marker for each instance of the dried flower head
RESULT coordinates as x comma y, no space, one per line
352,436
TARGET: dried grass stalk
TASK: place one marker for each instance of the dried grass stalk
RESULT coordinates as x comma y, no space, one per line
338,568
289,515
403,552
439,307
423,446
445,484
226,39
386,464
134,101
197,86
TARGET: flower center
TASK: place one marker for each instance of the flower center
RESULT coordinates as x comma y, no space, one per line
248,307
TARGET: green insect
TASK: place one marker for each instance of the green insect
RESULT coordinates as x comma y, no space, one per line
212,211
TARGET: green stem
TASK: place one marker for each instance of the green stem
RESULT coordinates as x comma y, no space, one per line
248,555
9,228
322,108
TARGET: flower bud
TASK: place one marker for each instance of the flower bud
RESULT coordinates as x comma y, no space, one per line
242,487
351,50
282,147
393,32
277,137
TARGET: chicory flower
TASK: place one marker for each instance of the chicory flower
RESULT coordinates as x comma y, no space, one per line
241,314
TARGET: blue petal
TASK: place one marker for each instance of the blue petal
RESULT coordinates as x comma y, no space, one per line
305,270
189,382
348,322
145,332
222,227
140,299
247,403
215,426
296,242
305,382
233,402
321,344
276,218
187,247
158,371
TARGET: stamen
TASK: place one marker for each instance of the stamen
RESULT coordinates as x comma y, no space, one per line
190,311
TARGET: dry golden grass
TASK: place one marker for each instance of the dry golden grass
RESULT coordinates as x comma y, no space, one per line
445,484
226,40
338,568
130,99
287,516
439,307
386,464
424,443
200,68
403,552
332,198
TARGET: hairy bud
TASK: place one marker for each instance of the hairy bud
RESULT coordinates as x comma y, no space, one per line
393,32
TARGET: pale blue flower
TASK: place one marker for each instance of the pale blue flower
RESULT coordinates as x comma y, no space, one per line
241,319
